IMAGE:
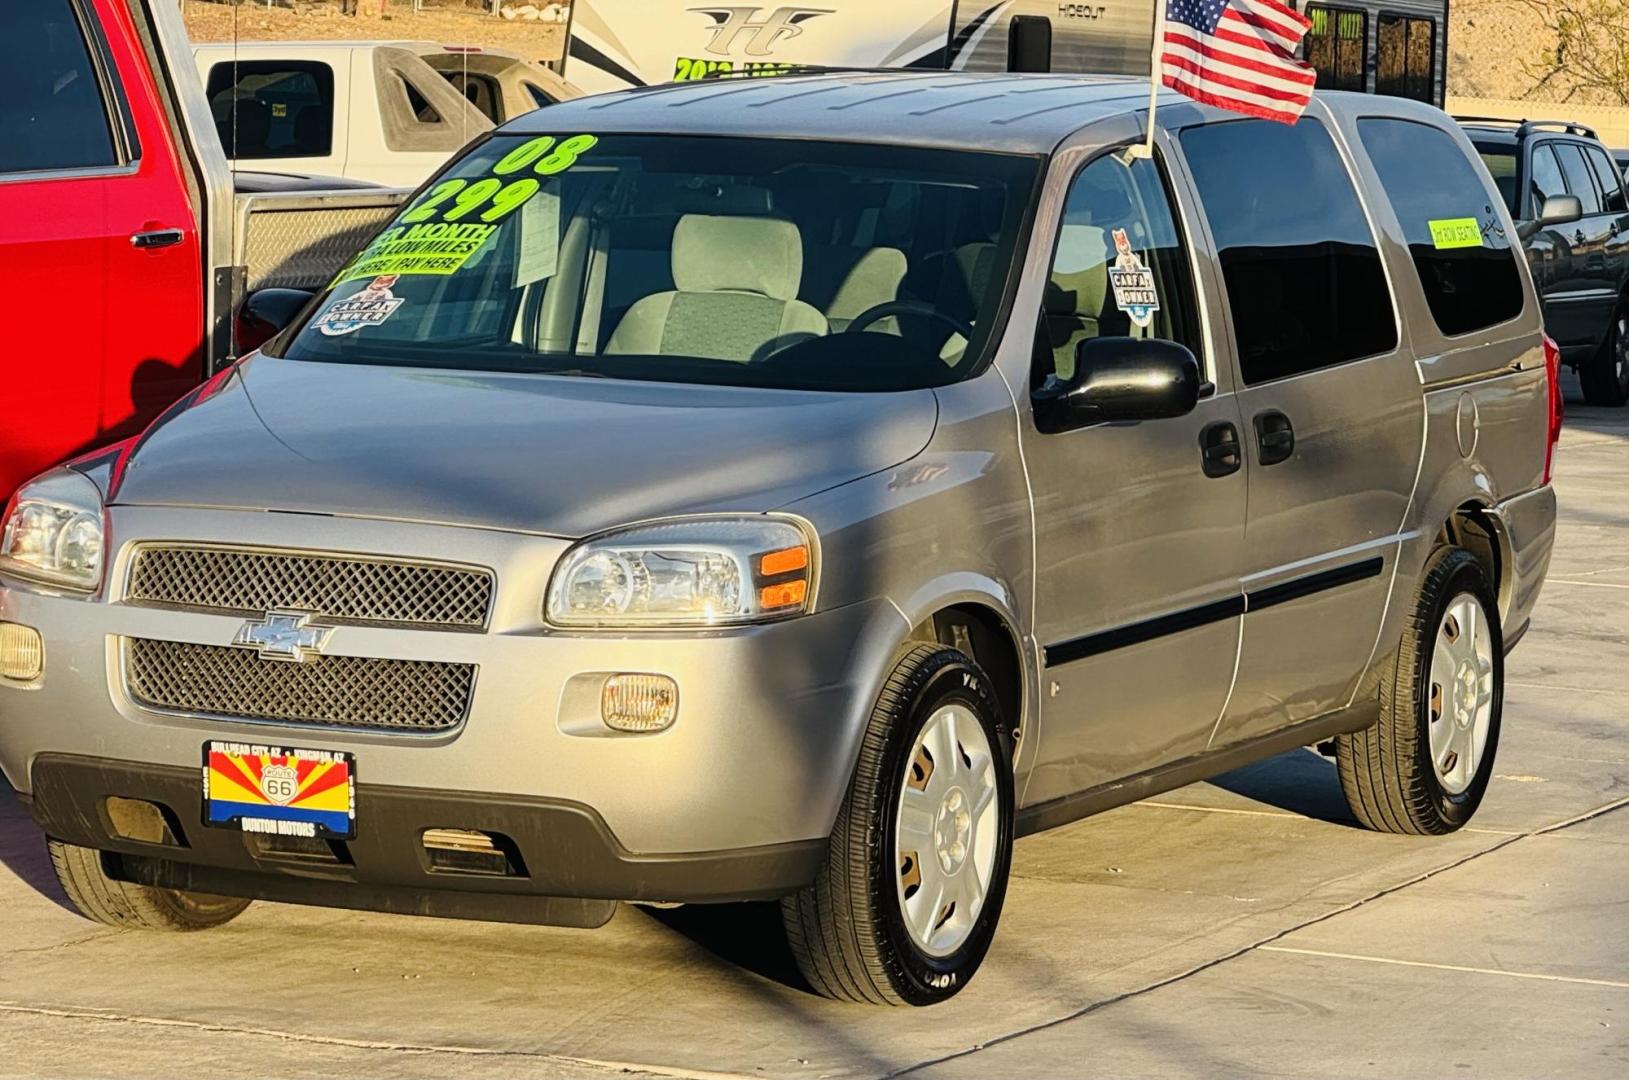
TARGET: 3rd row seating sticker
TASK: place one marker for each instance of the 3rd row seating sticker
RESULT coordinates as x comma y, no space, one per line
444,229
1448,233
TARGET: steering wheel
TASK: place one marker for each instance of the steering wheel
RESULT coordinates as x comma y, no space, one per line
908,307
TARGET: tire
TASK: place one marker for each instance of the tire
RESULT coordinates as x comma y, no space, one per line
1398,775
849,929
1605,376
107,900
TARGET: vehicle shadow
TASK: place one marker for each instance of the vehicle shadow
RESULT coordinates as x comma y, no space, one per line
1300,781
22,849
746,936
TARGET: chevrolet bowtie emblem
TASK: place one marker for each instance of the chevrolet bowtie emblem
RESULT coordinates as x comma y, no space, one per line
284,635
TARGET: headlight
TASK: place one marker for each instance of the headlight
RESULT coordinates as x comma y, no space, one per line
53,531
693,572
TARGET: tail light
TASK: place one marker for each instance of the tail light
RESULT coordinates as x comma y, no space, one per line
1558,409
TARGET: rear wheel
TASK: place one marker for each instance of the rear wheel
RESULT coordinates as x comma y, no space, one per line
907,901
1605,376
1425,766
105,899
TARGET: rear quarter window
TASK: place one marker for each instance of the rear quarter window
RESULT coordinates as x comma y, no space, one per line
266,109
1465,261
1305,283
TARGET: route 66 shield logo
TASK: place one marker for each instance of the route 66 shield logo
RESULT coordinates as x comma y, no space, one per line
279,783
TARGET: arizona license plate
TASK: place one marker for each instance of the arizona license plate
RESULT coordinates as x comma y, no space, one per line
280,792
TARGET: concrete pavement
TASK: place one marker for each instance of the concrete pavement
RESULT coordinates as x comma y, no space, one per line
1243,927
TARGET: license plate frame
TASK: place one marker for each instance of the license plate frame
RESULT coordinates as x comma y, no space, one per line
273,790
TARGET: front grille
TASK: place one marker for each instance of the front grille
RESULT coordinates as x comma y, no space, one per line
331,588
337,691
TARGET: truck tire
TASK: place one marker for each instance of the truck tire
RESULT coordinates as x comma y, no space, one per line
1424,767
1605,376
104,899
907,901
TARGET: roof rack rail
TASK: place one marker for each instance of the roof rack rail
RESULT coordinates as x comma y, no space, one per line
1527,127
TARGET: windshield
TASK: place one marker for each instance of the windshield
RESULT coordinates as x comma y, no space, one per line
755,262
1501,160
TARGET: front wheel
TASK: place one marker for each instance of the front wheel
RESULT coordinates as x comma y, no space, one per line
105,899
908,898
1424,767
1605,376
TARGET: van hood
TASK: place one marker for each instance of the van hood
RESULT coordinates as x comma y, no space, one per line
555,455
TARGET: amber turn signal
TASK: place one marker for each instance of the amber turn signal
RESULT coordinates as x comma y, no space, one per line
786,594
784,561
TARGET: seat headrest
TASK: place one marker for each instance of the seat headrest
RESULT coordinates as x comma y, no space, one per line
738,254
1080,278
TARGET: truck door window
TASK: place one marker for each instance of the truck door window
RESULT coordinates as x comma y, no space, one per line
1466,264
1117,218
1579,180
1305,282
54,115
273,108
1611,180
1546,177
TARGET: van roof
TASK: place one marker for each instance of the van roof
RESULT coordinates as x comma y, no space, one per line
1011,113
1002,112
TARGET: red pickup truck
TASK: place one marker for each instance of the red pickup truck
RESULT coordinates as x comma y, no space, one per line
127,243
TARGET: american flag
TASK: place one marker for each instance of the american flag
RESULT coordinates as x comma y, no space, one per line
1238,55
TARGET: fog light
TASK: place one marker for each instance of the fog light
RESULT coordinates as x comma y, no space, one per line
22,652
639,703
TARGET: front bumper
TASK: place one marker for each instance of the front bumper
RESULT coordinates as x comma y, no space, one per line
553,850
758,761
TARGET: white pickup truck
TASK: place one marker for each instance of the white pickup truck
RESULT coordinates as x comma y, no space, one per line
361,110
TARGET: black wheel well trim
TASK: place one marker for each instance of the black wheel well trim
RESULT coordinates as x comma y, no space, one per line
986,635
1478,528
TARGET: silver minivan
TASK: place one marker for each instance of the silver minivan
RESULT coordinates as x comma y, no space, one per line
798,489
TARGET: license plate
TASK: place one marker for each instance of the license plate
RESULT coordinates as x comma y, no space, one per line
279,791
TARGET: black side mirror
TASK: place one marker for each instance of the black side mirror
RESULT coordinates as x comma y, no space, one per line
267,313
1120,378
1557,210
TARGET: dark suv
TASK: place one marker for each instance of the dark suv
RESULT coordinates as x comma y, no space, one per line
1581,265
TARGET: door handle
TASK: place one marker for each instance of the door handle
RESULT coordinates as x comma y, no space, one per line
1219,449
154,239
1275,437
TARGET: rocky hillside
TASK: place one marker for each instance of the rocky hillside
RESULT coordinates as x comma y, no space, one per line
1492,46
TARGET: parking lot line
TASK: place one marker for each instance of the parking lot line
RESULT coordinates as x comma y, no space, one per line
1586,584
1444,967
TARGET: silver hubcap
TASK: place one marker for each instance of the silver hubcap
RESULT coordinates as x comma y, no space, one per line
947,832
1460,708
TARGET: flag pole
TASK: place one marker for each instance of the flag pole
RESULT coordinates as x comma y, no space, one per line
1156,54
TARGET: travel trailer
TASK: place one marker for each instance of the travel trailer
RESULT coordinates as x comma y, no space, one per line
1395,47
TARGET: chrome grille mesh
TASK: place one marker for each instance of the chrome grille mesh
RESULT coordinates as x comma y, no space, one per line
339,691
332,588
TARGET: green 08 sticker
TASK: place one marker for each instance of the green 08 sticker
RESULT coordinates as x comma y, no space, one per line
495,199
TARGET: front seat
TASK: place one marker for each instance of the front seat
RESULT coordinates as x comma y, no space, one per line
1076,299
736,285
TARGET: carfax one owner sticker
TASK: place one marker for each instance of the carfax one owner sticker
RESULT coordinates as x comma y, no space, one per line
1133,283
370,307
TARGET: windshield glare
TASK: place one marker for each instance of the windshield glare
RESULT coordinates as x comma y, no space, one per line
755,262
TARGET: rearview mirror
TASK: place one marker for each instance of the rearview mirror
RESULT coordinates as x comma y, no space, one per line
266,314
1557,210
1120,378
